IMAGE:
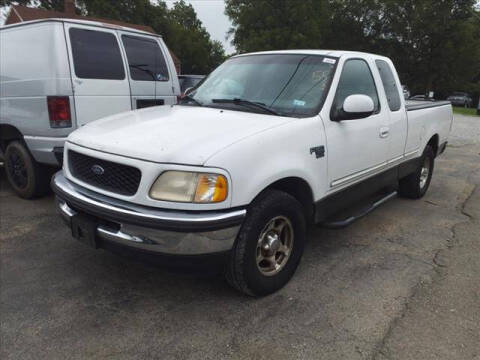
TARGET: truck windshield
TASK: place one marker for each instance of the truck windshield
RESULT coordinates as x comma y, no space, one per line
286,84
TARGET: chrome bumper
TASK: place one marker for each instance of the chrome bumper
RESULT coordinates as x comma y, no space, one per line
153,230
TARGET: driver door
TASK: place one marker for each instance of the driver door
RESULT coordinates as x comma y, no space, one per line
357,149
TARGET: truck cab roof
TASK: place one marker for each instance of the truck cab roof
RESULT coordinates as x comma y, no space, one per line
326,52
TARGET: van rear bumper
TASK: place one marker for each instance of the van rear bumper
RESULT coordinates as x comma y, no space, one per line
45,150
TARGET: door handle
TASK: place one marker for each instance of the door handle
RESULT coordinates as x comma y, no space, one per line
384,132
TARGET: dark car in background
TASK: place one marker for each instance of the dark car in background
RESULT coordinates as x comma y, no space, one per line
461,99
189,81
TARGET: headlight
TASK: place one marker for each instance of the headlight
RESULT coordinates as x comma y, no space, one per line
183,186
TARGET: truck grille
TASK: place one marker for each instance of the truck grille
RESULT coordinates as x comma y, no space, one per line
106,175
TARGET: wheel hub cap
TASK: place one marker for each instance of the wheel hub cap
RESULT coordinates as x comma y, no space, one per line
274,246
17,169
424,172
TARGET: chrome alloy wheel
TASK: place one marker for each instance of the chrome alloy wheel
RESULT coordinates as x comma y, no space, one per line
424,172
274,246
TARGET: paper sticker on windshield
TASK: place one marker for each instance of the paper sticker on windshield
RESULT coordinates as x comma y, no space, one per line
318,75
329,61
299,102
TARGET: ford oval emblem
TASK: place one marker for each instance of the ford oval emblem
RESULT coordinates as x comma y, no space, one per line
97,169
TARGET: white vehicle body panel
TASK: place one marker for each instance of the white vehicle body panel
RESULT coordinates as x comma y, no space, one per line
255,150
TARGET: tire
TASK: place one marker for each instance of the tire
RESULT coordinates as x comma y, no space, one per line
415,185
255,240
28,178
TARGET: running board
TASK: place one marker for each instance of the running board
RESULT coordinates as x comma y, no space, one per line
351,219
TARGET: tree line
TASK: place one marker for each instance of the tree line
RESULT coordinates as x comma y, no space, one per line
435,44
179,26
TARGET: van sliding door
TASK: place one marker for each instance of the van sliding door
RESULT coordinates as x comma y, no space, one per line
98,72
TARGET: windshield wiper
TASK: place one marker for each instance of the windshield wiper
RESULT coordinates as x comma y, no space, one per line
244,102
191,98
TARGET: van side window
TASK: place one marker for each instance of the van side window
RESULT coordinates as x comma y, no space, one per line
356,78
96,55
145,59
390,85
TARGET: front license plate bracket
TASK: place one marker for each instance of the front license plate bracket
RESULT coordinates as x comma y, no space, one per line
84,229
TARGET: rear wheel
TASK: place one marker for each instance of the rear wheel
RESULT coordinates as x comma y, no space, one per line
269,245
28,178
416,184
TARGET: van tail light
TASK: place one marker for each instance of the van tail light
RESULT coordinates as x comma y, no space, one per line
59,111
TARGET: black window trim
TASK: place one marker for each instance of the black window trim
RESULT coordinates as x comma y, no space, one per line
147,38
101,30
379,110
400,95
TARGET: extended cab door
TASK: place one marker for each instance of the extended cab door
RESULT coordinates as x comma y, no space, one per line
356,148
100,84
397,116
150,80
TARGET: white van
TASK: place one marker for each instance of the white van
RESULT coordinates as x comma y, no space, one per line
59,74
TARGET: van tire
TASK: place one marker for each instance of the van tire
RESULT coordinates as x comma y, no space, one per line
28,178
243,271
412,186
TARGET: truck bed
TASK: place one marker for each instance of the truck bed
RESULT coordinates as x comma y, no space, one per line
412,105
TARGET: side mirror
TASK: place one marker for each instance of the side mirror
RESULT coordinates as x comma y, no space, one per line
356,107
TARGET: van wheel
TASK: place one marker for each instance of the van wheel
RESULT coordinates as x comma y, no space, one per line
28,178
415,185
269,245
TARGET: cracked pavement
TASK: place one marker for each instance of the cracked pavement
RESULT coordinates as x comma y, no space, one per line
401,283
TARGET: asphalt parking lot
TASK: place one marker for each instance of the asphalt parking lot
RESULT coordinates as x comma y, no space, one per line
401,283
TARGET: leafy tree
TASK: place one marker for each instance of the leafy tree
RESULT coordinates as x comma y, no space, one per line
193,45
435,44
275,24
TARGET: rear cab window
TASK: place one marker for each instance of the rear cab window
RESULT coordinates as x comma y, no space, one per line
389,84
96,55
145,59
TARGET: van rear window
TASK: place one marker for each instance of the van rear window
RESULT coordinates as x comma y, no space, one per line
96,55
145,59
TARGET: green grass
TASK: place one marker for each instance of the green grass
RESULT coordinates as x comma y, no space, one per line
465,111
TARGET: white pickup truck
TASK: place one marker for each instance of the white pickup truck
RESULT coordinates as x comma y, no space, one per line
269,143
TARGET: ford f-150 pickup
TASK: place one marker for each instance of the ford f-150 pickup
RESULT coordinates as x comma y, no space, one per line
269,143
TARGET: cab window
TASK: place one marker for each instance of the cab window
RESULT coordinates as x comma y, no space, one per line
356,78
389,84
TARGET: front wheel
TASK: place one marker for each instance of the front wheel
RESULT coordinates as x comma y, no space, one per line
269,245
415,185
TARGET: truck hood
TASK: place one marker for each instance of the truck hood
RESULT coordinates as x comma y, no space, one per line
172,134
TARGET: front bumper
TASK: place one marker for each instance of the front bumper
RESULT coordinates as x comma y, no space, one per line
149,229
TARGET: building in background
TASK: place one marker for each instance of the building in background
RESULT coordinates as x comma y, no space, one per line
19,13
